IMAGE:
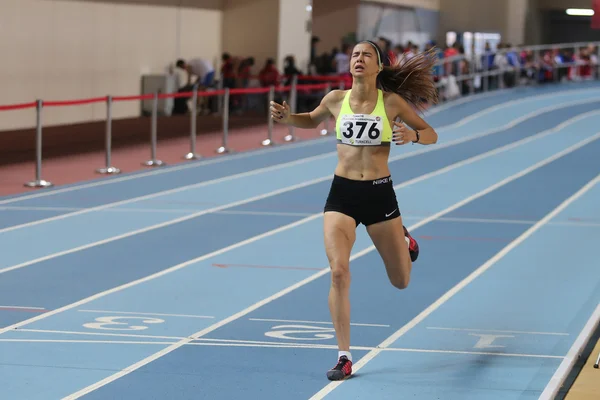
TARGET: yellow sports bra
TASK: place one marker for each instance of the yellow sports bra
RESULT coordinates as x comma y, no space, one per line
363,129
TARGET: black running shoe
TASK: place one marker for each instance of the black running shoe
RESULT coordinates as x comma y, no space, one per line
413,246
342,370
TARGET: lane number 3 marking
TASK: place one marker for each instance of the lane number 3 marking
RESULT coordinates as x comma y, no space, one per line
115,324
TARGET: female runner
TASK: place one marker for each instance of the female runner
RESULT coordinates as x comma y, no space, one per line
362,189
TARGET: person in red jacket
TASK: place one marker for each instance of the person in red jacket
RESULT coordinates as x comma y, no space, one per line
269,75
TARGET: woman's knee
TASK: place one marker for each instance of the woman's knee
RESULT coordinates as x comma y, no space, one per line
399,277
400,282
340,273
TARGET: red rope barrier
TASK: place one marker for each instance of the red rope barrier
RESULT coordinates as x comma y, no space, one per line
62,103
209,94
249,90
20,106
316,86
236,91
332,78
138,97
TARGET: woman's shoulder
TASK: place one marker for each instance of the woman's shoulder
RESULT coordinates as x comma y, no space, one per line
393,99
335,96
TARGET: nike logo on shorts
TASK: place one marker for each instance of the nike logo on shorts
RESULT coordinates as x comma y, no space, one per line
390,214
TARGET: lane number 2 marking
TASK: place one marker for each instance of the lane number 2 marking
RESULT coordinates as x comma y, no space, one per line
299,332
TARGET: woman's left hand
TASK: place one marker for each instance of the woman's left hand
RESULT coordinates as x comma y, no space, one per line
402,134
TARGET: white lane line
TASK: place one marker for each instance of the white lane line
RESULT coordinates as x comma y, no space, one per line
303,161
486,353
192,164
131,335
461,285
507,221
508,104
407,216
145,313
170,191
308,183
161,211
21,308
161,225
81,341
318,215
314,322
311,278
259,152
253,343
497,330
234,157
465,99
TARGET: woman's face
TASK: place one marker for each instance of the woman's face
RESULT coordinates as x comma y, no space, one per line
364,61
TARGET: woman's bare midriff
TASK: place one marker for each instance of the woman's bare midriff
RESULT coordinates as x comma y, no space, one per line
362,162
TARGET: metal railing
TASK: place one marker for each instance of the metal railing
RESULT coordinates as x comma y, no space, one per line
463,74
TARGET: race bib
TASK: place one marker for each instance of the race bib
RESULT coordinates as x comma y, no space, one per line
361,130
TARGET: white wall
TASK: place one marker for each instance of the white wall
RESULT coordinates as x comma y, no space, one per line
332,20
398,24
250,29
57,50
294,39
515,22
489,16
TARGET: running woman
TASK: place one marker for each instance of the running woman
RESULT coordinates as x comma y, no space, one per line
362,190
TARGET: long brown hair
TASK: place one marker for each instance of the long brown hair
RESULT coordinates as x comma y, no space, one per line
411,79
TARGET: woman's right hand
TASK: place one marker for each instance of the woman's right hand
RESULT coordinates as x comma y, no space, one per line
280,113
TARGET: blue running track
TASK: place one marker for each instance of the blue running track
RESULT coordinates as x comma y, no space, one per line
208,280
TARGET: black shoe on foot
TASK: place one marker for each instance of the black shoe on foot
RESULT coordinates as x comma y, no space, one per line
342,370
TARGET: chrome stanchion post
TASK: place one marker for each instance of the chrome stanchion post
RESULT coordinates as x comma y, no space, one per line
269,141
38,182
220,97
224,148
192,155
153,162
291,137
325,130
109,169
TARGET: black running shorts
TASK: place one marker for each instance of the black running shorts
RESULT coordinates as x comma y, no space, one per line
368,202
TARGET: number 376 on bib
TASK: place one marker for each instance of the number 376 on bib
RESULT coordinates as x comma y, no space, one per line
361,129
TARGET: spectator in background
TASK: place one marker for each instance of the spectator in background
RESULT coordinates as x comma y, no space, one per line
227,71
290,69
464,68
513,64
314,41
410,51
398,51
201,68
342,60
269,75
245,72
228,76
593,54
205,73
583,69
437,70
386,47
303,96
342,65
